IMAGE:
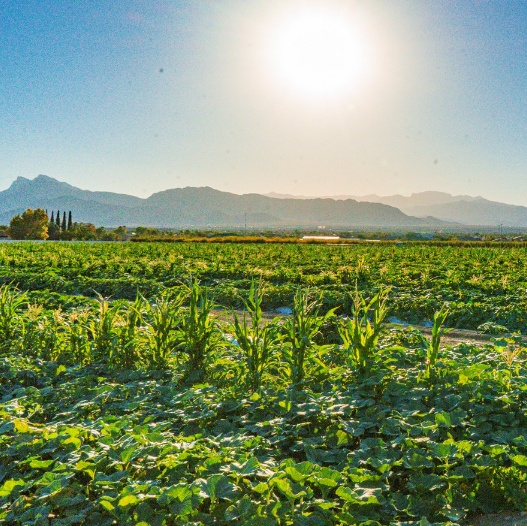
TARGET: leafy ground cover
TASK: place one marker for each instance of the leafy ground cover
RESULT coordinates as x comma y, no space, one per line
478,285
153,413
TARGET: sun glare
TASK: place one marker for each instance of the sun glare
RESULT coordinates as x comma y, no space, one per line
319,54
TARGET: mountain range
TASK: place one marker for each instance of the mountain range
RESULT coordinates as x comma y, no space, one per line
203,207
197,208
461,209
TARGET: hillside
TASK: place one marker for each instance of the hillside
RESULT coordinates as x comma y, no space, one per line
463,209
197,207
481,212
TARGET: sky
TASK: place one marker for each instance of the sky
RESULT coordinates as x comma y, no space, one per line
138,96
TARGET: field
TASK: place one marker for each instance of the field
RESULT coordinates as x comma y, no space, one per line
477,284
125,398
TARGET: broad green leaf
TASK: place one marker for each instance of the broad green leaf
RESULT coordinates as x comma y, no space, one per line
443,419
9,485
107,505
128,501
218,487
426,482
521,460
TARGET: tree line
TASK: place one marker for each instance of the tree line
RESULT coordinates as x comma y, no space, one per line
38,225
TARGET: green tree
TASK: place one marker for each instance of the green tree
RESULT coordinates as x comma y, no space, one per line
53,231
64,224
84,231
120,232
57,218
32,224
70,221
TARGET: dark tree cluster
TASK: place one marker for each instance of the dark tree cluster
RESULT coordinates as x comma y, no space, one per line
38,224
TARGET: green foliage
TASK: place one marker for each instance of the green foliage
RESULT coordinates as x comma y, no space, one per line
129,350
161,319
98,428
104,329
198,334
256,340
53,231
476,284
32,224
360,335
438,331
492,328
300,331
11,303
92,445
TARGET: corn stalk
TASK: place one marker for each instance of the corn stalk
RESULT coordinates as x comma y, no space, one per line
300,331
361,332
432,351
254,339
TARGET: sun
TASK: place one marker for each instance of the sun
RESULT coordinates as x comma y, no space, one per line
319,54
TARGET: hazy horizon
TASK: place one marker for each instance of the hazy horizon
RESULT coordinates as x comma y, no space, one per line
261,193
136,97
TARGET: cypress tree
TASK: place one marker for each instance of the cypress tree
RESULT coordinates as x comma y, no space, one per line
64,222
52,220
70,221
57,218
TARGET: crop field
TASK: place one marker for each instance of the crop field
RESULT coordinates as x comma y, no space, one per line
125,399
477,285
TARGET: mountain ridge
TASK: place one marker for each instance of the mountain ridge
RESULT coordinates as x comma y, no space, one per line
197,207
464,209
201,207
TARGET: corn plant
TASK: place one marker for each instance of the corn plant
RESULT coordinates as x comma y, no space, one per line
359,334
256,341
52,336
103,329
11,302
198,334
161,319
29,339
299,332
128,351
79,347
432,350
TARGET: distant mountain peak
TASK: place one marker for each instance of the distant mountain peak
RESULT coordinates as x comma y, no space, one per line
212,208
20,181
195,207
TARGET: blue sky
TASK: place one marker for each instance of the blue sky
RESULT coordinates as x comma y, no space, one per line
138,96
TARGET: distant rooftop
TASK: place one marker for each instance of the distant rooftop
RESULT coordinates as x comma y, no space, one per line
322,238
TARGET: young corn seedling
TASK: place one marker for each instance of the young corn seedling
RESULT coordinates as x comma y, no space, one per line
256,341
162,318
300,331
198,334
432,351
360,334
